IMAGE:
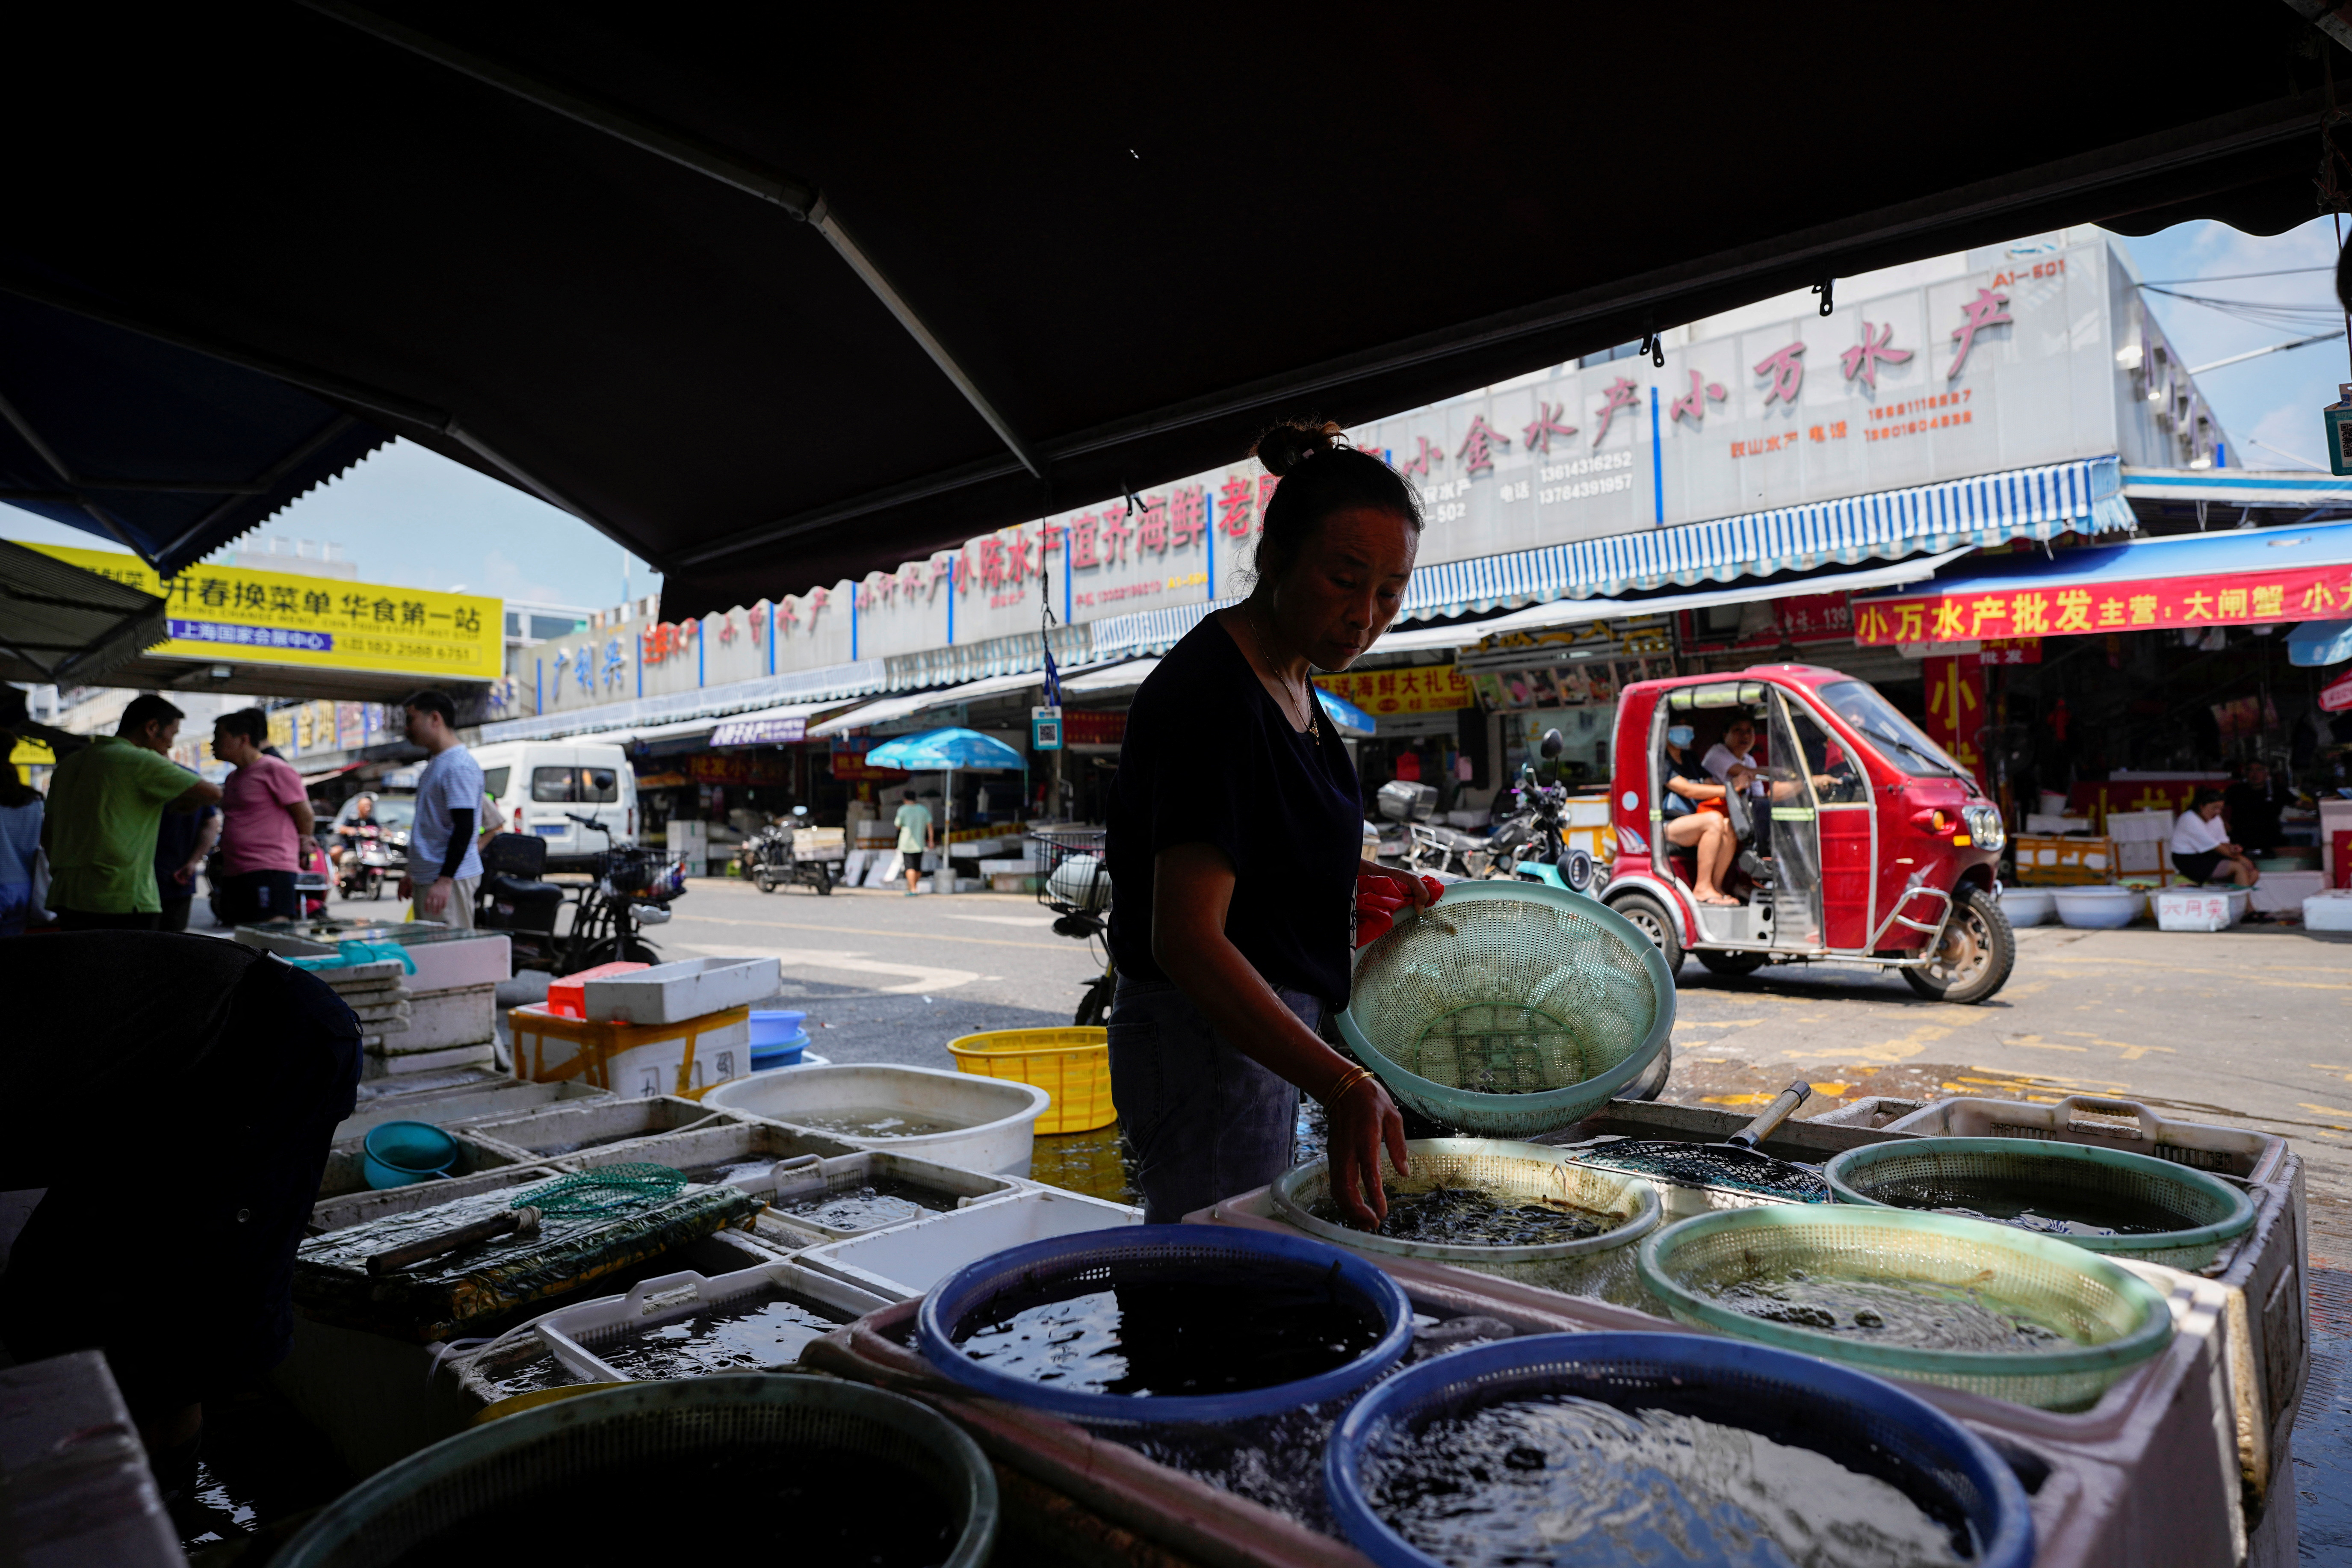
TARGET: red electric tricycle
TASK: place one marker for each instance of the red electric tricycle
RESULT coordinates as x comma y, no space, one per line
1859,839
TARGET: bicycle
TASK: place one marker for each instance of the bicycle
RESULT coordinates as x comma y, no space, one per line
1077,887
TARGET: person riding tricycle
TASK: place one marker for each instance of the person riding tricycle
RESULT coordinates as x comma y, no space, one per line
1789,813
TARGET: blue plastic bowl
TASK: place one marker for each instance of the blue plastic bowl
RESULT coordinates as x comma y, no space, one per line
1215,1258
774,1030
787,1055
402,1153
1863,1422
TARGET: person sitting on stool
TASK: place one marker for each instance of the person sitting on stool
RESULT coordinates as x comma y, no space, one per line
2201,850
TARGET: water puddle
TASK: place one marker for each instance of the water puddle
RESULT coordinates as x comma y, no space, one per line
1568,1482
1097,1164
1912,1314
1472,1217
1160,1338
884,1201
798,1505
872,1122
766,1330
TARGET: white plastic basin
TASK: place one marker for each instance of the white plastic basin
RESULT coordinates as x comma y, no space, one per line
996,1118
906,1261
2028,906
2098,908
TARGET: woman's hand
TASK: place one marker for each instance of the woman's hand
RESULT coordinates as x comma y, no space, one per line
1362,1122
1381,892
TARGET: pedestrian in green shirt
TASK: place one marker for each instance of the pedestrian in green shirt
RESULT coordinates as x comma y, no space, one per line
914,824
105,802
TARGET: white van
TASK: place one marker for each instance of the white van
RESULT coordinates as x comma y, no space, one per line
540,785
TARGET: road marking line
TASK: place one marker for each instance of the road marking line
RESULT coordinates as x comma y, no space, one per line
893,935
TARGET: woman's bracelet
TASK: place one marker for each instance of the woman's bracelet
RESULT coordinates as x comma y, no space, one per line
1346,1083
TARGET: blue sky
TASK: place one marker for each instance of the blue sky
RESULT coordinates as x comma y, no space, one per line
409,517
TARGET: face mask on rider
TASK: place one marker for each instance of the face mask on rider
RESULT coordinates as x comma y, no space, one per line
1680,735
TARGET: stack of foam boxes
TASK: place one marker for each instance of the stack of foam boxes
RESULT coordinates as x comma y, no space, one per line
440,1016
680,1029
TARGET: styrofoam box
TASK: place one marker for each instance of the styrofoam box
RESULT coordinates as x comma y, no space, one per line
2199,909
551,1132
441,1019
450,1107
1588,813
2042,822
905,1262
2140,827
2284,892
687,988
1011,868
483,959
573,1334
2328,912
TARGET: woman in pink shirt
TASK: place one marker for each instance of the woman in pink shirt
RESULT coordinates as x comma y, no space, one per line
264,815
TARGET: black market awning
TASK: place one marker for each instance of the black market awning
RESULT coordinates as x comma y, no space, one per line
62,626
773,297
165,451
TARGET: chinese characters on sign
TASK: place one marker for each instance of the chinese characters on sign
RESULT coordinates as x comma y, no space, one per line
1423,688
2175,603
1956,708
277,617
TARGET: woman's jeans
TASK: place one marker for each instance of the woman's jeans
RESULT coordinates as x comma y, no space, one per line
1205,1120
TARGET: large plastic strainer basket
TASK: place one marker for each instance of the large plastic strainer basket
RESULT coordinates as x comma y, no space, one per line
1865,1425
1220,1262
1509,1008
2115,1320
1969,1173
586,1455
1602,1267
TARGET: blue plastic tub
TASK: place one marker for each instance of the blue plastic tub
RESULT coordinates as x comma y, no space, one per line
1213,1256
402,1153
784,1054
1867,1425
775,1030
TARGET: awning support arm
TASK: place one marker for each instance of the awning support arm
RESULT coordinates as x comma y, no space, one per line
796,196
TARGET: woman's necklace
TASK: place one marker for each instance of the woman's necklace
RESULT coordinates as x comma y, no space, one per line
1265,651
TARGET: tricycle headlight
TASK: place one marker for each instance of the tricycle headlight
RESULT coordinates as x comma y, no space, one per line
1985,830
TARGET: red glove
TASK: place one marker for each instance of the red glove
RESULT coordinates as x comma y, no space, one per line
1378,898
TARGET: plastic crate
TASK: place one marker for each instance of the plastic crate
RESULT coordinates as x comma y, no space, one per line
2124,1124
1072,1065
555,1131
357,1208
953,1187
902,1263
345,1172
574,1334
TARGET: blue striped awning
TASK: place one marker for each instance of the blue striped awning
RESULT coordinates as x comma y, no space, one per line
2082,497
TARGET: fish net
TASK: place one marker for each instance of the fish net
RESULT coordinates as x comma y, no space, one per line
1509,1009
609,1189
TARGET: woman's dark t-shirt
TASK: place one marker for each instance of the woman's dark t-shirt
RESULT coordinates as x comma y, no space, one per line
1211,758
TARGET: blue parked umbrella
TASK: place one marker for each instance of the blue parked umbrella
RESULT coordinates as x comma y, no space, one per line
944,749
2319,644
1351,720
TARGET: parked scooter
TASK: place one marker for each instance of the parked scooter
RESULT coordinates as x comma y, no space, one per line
374,861
630,888
1531,843
1427,846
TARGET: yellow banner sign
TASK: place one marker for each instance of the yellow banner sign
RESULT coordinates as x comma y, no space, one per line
1417,689
279,617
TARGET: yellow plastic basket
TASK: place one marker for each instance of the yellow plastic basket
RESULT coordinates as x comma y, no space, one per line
1071,1065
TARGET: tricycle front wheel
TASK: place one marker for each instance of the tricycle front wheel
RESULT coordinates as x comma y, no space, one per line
1976,953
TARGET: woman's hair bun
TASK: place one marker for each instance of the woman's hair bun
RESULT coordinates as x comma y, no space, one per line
1292,442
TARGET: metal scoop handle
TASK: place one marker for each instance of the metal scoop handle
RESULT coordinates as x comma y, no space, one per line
1780,1110
521,1222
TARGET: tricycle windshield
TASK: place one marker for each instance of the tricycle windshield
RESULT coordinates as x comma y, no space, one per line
1903,744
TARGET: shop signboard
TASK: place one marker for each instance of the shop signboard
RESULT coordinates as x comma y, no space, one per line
760,731
737,768
849,760
2336,696
1414,689
2166,604
252,616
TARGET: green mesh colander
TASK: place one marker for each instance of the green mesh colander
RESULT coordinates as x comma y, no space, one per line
2062,1180
2114,1319
1600,1266
1509,1008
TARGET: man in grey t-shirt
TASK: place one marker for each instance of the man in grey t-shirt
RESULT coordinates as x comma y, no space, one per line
444,866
